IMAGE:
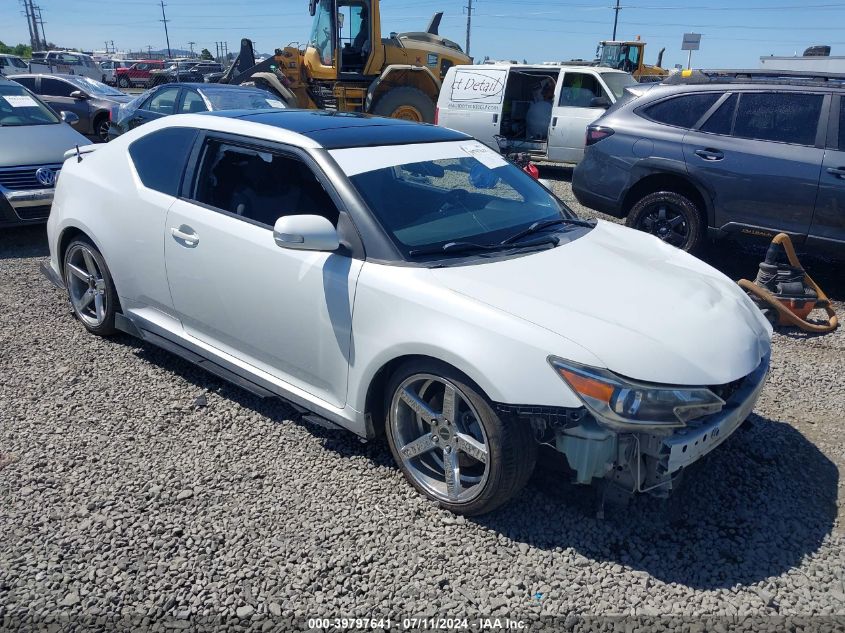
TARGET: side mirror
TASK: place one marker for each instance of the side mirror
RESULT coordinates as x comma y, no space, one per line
600,102
306,233
78,94
69,117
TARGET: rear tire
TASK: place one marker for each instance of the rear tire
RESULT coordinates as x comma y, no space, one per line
406,103
672,217
490,458
90,287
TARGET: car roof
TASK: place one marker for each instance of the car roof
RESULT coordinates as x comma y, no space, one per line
315,129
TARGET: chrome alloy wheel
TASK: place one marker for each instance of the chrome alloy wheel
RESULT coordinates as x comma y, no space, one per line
86,285
440,438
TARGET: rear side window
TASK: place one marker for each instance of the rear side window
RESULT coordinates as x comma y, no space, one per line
160,158
781,117
842,124
683,111
721,121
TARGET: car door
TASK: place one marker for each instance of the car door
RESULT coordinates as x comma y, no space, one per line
473,102
759,154
828,226
284,313
161,103
56,92
573,111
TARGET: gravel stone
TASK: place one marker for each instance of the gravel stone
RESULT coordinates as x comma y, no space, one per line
103,442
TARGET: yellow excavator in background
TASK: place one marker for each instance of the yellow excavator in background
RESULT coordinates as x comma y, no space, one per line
629,56
348,67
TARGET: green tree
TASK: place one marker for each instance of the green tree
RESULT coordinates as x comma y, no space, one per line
21,50
206,54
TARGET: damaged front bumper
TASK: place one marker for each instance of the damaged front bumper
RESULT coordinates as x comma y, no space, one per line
641,461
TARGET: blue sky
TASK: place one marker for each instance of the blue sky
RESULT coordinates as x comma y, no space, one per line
734,32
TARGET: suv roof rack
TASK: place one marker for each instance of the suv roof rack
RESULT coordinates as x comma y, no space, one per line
788,77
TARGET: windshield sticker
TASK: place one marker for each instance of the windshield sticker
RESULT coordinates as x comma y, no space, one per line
20,101
274,103
485,156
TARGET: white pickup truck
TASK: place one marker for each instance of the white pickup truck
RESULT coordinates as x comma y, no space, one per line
543,110
66,62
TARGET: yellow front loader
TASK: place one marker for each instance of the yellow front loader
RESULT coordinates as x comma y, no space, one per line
348,66
629,56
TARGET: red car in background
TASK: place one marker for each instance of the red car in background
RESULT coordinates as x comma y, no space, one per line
137,75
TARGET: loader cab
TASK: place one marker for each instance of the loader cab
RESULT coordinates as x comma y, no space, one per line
624,56
342,38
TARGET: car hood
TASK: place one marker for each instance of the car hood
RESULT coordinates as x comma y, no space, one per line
114,99
37,144
647,310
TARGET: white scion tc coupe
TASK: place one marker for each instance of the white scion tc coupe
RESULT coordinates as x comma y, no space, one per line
403,278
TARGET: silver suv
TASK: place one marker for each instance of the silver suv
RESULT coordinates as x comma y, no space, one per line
720,152
33,141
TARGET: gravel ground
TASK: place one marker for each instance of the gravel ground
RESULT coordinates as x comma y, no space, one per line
134,485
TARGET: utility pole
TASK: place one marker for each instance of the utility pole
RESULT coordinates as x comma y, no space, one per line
165,21
616,18
41,22
469,22
32,23
191,44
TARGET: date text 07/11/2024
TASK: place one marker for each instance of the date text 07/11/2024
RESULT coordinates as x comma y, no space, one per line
419,624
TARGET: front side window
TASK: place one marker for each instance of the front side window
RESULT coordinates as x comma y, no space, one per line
778,116
56,87
18,107
259,185
17,62
322,37
449,192
163,102
160,158
683,111
579,90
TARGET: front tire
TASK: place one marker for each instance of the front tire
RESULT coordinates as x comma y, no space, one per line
406,103
672,217
123,82
90,287
449,442
101,128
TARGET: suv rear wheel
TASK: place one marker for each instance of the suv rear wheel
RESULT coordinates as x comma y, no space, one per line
671,216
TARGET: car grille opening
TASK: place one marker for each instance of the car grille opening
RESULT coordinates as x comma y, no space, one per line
23,178
40,212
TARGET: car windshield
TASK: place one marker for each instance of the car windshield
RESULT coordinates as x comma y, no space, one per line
18,107
617,82
241,99
94,87
457,192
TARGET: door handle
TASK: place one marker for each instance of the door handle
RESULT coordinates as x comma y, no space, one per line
839,172
185,234
495,118
709,154
554,122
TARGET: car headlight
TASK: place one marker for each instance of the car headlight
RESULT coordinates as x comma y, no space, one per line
623,403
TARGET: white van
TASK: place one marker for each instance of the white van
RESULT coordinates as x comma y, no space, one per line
539,109
12,65
68,63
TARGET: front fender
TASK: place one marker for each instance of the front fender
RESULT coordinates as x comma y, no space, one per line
419,77
402,311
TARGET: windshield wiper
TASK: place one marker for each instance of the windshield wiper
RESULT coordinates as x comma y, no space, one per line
539,226
462,247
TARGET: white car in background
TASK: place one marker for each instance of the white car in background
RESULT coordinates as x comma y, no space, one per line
404,278
12,65
68,63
